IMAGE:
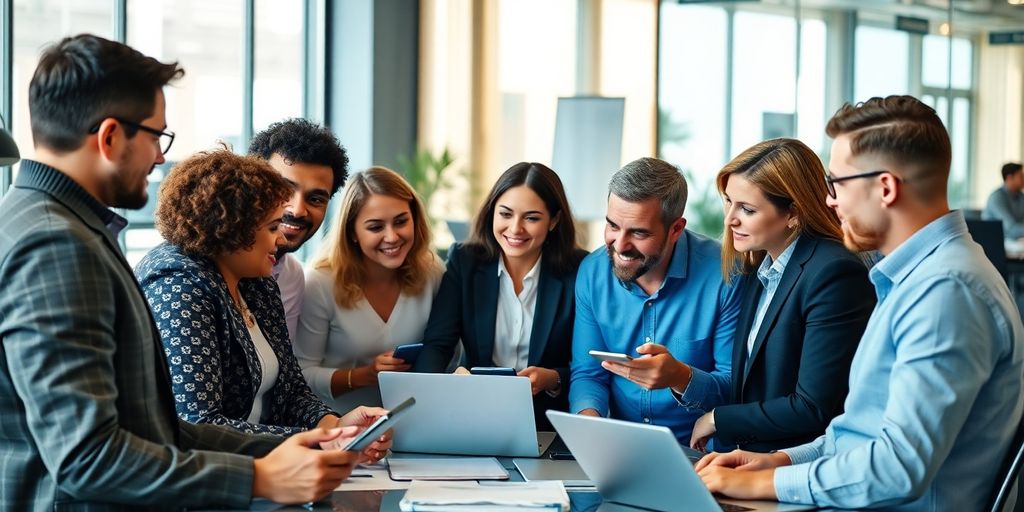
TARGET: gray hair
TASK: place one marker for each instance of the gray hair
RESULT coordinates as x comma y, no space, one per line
646,178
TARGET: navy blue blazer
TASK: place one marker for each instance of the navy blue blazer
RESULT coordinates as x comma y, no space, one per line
797,375
215,372
466,308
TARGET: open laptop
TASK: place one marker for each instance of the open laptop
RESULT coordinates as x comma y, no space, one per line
643,466
464,414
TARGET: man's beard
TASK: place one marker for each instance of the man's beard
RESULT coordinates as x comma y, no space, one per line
858,238
631,275
295,221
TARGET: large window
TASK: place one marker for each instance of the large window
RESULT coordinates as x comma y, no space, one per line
205,108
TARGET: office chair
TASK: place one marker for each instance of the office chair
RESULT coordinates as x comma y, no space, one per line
989,235
1009,471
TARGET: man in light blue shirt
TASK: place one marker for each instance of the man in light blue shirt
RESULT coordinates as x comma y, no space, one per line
935,386
1006,203
655,292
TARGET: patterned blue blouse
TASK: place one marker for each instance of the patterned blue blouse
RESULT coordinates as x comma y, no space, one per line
215,371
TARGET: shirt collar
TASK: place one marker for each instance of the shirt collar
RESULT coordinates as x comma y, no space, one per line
680,257
897,265
531,275
770,268
37,175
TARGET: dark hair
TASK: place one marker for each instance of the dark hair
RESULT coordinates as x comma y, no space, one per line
212,202
1010,169
904,131
85,79
303,141
560,245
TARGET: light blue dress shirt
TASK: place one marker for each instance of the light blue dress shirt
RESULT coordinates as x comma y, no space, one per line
1008,208
935,386
693,314
770,274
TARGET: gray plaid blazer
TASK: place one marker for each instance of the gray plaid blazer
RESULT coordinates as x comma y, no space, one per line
86,415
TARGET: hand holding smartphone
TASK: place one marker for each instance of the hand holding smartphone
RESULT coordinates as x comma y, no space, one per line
615,357
378,427
408,352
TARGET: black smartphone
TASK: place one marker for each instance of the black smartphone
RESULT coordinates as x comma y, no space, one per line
378,427
408,353
493,370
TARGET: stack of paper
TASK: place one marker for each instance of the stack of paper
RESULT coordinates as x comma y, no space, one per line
491,496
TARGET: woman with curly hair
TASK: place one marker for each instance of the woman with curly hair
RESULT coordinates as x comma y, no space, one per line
218,310
369,290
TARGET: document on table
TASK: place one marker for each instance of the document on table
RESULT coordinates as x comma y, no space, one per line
448,468
371,477
478,496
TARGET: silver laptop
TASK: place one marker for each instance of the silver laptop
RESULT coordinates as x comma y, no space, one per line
464,414
642,466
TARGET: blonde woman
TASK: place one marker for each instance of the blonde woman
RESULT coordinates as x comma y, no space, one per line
368,291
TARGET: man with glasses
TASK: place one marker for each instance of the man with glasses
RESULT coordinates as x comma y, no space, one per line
935,387
87,420
312,159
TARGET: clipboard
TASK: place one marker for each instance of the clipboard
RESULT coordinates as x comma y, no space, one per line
447,468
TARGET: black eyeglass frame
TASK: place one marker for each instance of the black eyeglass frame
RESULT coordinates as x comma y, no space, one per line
140,126
830,181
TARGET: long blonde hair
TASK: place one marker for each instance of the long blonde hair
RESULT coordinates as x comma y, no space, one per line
342,255
791,176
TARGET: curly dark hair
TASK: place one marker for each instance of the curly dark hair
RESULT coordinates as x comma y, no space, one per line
303,141
213,202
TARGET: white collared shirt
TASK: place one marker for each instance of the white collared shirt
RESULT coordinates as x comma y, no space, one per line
770,274
514,321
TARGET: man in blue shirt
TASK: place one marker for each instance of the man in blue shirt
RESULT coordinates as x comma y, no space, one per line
935,386
655,292
1006,203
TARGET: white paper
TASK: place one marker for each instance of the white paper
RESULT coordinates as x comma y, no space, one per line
431,496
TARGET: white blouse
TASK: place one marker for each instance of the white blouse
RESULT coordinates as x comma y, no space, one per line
270,368
332,338
513,324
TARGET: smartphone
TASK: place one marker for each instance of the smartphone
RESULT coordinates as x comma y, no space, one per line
614,357
493,370
408,353
378,427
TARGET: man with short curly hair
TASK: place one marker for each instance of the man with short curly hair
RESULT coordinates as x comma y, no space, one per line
311,158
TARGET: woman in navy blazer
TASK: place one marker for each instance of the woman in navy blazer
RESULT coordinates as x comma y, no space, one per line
509,292
218,309
806,301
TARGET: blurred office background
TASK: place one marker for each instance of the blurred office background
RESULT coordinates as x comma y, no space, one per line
401,81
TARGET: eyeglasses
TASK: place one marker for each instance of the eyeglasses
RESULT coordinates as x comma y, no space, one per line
831,181
166,137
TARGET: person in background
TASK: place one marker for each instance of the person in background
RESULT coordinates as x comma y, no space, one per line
935,386
369,290
507,292
87,417
216,305
310,157
1006,203
806,301
654,292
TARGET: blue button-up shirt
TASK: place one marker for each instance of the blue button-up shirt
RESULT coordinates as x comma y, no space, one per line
693,314
935,386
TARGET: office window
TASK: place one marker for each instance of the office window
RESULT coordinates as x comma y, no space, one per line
935,68
882,62
39,23
536,65
278,88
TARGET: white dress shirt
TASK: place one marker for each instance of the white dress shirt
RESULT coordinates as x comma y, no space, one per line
269,367
514,321
332,338
288,273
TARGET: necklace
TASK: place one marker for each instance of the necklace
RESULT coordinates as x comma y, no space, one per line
243,309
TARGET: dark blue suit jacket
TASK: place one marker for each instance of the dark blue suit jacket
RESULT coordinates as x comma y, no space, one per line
796,377
466,308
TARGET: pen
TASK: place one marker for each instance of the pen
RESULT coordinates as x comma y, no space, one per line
360,475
